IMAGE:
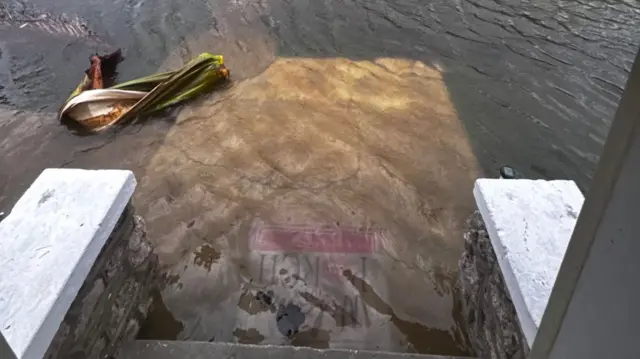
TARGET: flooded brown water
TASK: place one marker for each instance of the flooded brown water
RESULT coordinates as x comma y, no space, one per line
347,122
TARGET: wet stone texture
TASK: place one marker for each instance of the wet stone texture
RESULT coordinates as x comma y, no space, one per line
114,298
493,326
302,158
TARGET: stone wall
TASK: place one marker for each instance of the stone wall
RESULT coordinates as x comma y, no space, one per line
493,325
113,301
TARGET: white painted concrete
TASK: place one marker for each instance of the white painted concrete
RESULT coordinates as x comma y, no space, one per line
48,244
593,311
529,224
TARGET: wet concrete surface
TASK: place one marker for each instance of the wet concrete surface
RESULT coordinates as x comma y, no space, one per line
342,117
365,157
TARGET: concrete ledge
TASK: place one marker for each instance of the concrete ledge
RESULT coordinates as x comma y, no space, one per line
48,244
150,349
529,224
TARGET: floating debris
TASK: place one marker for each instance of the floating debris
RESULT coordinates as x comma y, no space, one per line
96,108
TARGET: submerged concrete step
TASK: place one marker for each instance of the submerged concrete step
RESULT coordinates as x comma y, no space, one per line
152,349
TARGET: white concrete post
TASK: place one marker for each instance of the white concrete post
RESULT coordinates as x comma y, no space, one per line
48,244
594,308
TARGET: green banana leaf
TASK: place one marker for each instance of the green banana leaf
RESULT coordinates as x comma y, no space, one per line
165,89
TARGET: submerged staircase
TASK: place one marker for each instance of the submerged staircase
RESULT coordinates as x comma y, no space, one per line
77,276
153,349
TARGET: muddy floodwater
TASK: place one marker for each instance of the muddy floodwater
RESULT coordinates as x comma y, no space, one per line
320,198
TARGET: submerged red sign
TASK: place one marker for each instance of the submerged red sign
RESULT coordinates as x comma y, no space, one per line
315,240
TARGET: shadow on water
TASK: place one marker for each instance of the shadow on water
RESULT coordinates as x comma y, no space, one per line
160,325
39,68
364,114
